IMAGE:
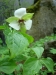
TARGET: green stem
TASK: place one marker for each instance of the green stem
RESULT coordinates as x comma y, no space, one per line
22,28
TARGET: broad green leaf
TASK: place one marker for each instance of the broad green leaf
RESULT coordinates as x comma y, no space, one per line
8,67
7,30
12,19
27,16
4,53
53,51
31,66
3,50
20,58
38,51
4,57
30,38
48,62
16,43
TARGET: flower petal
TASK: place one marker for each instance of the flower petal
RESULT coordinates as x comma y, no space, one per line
15,25
28,24
20,12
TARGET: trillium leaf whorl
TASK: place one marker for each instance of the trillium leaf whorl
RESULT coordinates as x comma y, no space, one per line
11,19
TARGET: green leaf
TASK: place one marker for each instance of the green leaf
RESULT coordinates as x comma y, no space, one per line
53,51
12,19
16,43
30,38
4,53
8,67
2,27
20,58
3,50
19,67
38,51
27,16
4,57
7,30
31,66
48,62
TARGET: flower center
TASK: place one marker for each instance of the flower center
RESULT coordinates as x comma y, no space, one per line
21,21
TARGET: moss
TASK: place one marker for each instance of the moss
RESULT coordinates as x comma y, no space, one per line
34,7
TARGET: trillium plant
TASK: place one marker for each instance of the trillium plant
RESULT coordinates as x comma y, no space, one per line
18,56
21,19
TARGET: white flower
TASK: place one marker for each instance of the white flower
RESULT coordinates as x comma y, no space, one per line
19,13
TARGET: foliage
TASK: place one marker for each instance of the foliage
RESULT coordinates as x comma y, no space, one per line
53,50
14,53
18,57
41,42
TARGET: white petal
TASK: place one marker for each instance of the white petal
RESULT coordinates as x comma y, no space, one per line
15,25
28,24
20,12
